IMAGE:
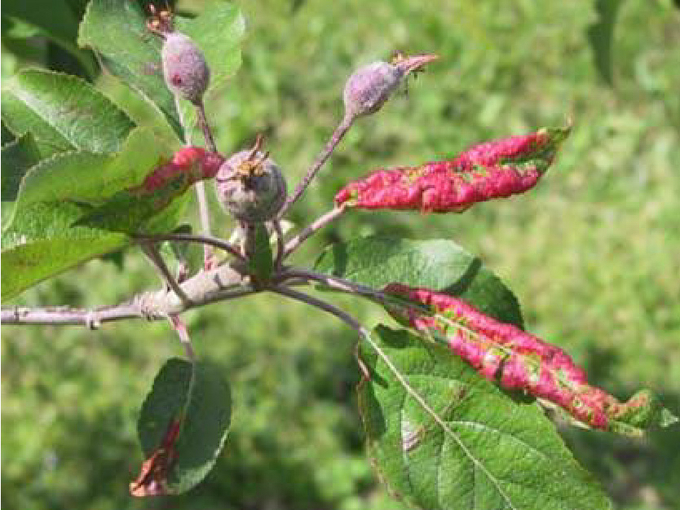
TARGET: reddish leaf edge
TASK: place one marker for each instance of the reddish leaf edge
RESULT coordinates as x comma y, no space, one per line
515,359
169,180
494,169
153,476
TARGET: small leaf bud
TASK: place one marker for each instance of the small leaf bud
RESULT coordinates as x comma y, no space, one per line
370,86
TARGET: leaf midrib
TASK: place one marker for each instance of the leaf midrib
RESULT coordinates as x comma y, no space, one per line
421,401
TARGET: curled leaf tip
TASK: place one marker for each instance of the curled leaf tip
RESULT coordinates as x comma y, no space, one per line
516,359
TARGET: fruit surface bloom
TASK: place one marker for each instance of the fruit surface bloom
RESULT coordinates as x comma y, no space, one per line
495,169
370,86
254,195
185,70
518,360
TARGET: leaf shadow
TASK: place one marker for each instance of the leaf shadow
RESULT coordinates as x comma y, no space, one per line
466,279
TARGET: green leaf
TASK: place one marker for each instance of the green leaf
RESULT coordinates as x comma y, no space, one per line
17,157
200,398
261,262
26,265
442,437
145,209
55,20
117,31
130,212
600,36
438,264
40,240
63,112
88,177
218,31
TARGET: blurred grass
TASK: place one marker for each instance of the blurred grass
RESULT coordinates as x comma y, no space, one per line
593,253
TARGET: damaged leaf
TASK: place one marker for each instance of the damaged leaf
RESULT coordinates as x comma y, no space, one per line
518,360
182,427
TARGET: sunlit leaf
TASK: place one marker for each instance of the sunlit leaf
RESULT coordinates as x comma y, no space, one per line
41,239
117,32
438,264
442,437
63,112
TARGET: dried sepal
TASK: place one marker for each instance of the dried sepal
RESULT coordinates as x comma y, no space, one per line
160,21
495,169
153,476
518,360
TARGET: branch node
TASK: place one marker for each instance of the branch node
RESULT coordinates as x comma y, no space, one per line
92,320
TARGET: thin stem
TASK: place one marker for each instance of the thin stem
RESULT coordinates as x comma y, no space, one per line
311,229
181,329
192,238
205,127
294,276
327,307
182,120
325,153
93,318
152,253
318,303
335,283
64,316
280,243
203,210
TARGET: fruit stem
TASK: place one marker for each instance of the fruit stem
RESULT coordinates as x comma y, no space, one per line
311,229
203,210
325,153
205,126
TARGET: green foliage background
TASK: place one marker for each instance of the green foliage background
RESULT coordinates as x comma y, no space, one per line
593,253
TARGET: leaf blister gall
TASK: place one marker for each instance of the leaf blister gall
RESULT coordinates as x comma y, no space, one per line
517,360
456,420
491,170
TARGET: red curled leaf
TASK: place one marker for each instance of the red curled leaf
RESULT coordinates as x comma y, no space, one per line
129,210
193,162
153,476
490,170
517,360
